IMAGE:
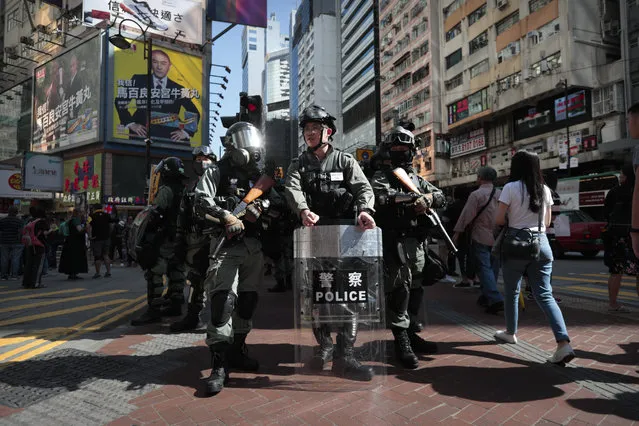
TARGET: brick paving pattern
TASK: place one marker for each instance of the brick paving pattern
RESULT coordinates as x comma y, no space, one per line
472,380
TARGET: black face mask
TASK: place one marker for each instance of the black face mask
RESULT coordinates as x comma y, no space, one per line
401,157
199,167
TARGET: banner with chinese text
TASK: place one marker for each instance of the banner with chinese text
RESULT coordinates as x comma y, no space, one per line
180,19
176,101
83,174
66,101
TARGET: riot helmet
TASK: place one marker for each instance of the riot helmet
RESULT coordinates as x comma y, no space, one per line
244,145
317,114
171,168
199,167
400,146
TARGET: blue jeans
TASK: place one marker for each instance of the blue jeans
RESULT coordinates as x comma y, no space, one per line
487,269
10,253
539,273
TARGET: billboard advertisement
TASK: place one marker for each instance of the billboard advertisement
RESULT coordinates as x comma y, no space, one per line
181,20
83,175
66,101
176,96
11,187
42,172
575,106
243,12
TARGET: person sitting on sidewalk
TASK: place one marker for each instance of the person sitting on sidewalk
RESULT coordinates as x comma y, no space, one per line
477,217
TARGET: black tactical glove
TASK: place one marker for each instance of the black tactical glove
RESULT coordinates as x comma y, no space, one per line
423,203
255,210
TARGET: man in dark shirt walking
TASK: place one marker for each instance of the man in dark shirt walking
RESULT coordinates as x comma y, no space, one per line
10,245
100,231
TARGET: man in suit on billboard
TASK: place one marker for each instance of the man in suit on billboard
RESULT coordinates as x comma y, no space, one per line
165,122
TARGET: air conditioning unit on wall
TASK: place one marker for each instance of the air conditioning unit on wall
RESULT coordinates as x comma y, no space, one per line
502,4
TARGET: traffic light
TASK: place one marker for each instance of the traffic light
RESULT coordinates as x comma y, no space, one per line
251,109
229,120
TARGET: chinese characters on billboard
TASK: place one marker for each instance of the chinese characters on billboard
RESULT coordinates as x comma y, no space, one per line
576,106
168,18
176,100
467,143
67,99
83,174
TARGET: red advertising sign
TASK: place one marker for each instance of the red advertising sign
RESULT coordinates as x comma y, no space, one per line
592,199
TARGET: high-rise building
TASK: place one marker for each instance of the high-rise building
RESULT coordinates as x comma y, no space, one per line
277,84
315,63
256,44
544,75
359,98
409,69
630,47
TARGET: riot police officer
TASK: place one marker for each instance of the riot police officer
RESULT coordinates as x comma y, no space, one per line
166,206
236,270
323,186
194,244
403,219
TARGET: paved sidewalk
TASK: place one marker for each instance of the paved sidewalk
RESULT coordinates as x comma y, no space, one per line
147,376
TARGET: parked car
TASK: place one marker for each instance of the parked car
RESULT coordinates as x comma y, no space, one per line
585,235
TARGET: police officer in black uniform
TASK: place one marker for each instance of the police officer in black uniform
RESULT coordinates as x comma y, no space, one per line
194,244
166,207
325,186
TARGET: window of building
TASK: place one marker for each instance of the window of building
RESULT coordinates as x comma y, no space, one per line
633,39
506,83
454,32
421,73
419,29
535,5
13,19
252,47
454,58
469,106
420,51
404,106
252,31
456,81
478,42
477,14
543,33
479,69
546,65
253,39
507,22
452,7
402,85
416,10
512,49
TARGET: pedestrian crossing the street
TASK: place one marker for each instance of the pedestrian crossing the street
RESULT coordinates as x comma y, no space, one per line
33,322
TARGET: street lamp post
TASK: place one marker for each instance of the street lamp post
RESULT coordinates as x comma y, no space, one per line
119,41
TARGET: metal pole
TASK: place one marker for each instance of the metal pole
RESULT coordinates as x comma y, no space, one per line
148,43
567,124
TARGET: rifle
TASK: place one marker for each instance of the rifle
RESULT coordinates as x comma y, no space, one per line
410,185
263,184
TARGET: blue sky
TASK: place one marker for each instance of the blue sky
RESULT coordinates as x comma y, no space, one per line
227,51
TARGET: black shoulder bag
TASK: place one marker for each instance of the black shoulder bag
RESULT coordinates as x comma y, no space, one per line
523,244
465,238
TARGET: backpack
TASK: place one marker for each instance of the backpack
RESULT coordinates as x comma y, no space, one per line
29,237
145,237
64,228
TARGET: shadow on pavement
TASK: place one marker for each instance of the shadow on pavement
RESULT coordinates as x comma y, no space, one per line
630,357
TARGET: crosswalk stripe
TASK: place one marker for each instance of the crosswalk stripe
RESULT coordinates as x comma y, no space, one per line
585,280
628,294
61,312
56,301
79,333
21,349
39,295
605,276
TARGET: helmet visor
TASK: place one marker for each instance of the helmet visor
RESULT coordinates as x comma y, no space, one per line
247,137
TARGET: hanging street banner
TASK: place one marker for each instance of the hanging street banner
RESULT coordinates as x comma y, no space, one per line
175,19
42,172
83,175
176,96
66,98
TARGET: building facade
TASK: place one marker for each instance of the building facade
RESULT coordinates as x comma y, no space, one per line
410,78
545,75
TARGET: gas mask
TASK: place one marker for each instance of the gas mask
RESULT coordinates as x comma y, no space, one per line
399,155
246,157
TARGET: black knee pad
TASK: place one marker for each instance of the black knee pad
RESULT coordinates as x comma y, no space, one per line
246,304
222,307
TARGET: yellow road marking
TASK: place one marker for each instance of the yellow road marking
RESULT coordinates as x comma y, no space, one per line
61,312
56,301
37,295
628,294
585,280
79,333
21,349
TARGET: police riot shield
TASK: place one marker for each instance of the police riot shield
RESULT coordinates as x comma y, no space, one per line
338,288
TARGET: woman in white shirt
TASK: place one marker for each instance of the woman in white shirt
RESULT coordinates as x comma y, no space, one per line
519,210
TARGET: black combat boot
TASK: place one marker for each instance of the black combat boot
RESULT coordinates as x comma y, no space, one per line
152,315
219,369
344,362
173,309
191,321
237,355
324,353
420,345
403,350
